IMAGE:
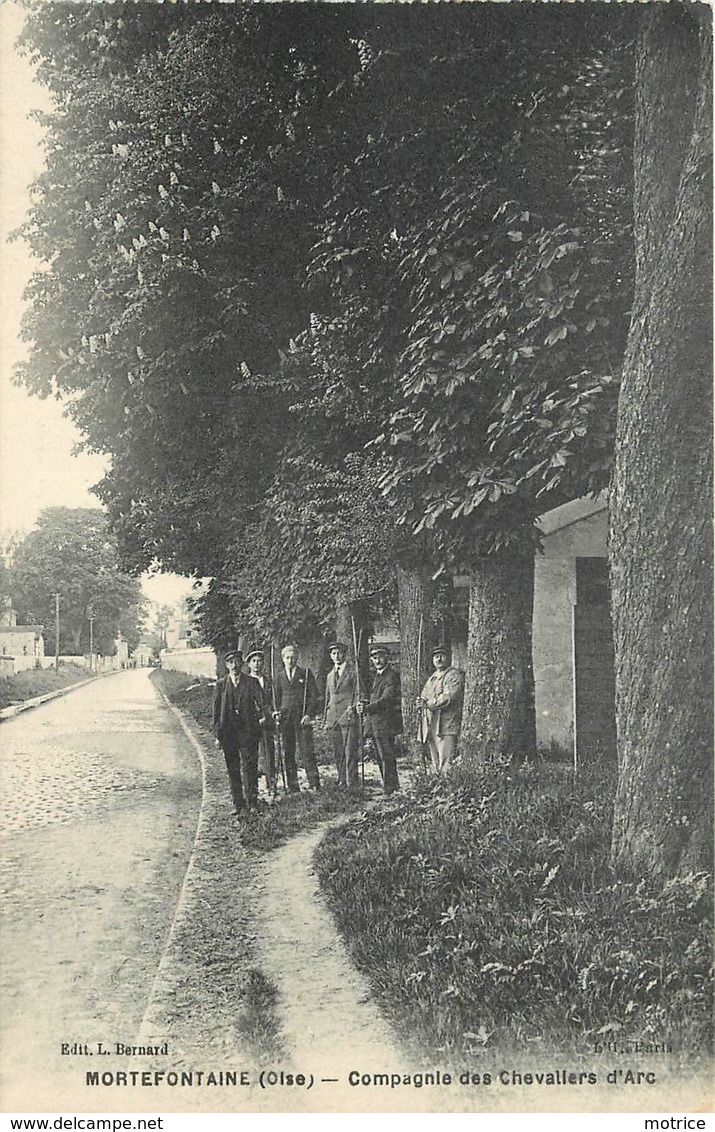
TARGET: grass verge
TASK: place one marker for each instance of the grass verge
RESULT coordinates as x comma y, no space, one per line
38,682
486,916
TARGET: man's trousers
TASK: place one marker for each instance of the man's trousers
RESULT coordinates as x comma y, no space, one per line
385,747
441,748
345,750
267,760
240,750
293,735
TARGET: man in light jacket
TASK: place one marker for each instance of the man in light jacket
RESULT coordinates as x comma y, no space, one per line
441,701
296,705
340,716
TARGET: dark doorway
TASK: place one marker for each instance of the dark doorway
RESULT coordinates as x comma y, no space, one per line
594,689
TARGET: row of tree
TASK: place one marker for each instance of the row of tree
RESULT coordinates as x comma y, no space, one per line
345,292
72,557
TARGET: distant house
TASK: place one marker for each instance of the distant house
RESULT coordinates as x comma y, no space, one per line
143,653
180,632
121,651
23,643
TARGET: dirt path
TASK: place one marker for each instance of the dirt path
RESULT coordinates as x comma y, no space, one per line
330,1022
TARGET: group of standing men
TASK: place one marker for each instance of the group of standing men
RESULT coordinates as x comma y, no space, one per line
252,712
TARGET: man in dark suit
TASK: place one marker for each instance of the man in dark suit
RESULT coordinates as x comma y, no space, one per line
340,717
236,714
264,694
296,705
383,715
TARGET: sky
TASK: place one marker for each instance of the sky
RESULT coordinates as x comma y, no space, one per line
37,465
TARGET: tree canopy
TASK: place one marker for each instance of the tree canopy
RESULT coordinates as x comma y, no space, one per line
315,257
73,553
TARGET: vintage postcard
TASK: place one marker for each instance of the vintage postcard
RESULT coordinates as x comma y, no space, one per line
356,591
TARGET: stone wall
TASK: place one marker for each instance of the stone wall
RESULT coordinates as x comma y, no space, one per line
575,530
195,662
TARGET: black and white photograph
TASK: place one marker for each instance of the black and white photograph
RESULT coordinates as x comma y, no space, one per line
356,592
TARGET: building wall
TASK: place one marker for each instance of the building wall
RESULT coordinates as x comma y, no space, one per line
577,530
23,643
196,662
552,649
96,664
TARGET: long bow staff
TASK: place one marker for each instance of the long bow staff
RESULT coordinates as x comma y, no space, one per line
356,646
421,720
279,747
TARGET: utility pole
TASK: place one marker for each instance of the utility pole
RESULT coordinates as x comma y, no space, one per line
90,614
57,630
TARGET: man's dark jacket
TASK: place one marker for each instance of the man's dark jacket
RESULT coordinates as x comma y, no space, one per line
264,698
297,697
236,710
384,711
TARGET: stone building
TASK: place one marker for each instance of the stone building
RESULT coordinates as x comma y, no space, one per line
572,636
24,644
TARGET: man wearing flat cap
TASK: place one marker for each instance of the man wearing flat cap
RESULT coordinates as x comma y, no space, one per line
256,662
441,701
236,713
383,715
340,715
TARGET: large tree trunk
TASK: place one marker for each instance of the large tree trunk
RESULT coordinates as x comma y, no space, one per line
415,593
499,716
661,537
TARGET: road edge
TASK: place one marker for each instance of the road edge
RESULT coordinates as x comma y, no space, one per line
166,960
16,709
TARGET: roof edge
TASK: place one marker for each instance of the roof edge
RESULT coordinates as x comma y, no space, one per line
572,512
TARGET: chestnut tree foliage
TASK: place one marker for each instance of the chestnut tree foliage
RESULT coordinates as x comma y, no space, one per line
340,289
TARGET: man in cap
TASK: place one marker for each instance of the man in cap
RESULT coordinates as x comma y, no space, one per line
255,660
441,701
296,705
340,715
384,715
236,713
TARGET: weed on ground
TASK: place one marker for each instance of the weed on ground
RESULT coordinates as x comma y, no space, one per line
485,913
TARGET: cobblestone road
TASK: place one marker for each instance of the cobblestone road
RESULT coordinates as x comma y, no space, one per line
99,799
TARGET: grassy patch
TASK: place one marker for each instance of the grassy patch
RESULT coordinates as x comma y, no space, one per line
295,813
39,681
257,1023
486,916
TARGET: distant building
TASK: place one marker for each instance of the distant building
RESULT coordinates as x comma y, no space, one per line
121,649
143,653
181,631
23,643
